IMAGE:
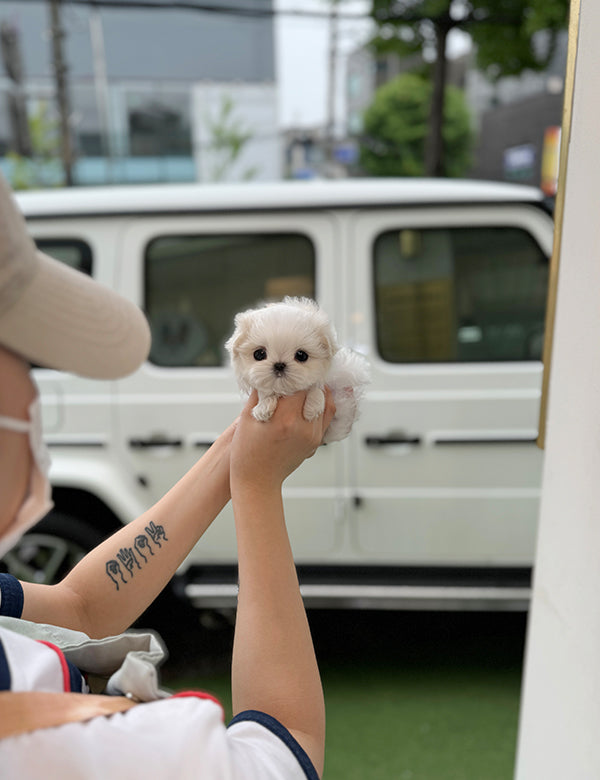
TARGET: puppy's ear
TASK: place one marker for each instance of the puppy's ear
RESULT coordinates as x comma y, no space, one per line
241,323
329,342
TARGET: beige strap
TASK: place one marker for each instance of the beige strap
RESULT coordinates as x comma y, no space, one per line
21,712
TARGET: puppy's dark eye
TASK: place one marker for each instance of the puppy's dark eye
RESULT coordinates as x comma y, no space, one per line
301,356
260,354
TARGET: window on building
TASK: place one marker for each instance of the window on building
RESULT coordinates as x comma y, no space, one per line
459,295
382,67
5,129
159,125
195,285
89,126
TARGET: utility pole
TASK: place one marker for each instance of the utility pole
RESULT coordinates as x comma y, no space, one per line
101,85
434,143
17,106
62,95
332,81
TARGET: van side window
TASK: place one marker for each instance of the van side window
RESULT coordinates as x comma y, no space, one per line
196,284
459,295
71,251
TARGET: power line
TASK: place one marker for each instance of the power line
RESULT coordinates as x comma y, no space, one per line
224,10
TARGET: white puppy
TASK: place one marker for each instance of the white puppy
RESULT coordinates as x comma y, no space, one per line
288,346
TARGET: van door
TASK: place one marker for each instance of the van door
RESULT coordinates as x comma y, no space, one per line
450,305
192,275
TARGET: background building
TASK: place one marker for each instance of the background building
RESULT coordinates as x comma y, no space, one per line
517,119
155,94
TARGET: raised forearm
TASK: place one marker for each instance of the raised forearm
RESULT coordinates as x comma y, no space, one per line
119,579
274,666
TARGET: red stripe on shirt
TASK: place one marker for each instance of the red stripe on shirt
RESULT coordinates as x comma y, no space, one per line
63,664
199,695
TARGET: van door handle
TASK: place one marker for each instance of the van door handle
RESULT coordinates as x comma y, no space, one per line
203,443
392,438
489,440
154,441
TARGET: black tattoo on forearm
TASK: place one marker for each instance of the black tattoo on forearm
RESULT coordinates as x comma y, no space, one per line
142,546
156,532
126,558
114,572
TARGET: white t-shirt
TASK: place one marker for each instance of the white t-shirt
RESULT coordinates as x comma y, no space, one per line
181,736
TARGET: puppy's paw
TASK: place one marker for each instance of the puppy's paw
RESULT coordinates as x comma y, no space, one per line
264,409
314,404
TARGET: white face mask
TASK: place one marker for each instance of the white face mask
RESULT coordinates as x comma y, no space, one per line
37,503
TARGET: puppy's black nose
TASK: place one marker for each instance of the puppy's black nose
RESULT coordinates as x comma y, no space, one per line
279,368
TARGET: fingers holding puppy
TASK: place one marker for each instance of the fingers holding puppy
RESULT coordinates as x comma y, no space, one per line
330,409
268,452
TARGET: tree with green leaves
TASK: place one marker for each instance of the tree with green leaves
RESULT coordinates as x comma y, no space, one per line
43,166
395,129
510,36
228,139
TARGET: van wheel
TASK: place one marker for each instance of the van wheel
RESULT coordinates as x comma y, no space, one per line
50,550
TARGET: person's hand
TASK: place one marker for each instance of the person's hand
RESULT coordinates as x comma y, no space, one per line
263,454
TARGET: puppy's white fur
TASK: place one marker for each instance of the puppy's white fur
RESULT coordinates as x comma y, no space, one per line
285,347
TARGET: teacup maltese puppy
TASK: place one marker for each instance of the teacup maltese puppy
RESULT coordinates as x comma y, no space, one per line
291,345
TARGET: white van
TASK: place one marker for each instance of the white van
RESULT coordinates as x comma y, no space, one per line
432,501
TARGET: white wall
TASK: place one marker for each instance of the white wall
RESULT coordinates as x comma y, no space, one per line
560,716
255,111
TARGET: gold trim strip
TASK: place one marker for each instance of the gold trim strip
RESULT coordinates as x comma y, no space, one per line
565,137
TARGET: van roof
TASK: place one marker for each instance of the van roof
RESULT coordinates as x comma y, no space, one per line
347,193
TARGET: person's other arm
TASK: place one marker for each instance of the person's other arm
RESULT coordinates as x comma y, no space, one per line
274,667
114,583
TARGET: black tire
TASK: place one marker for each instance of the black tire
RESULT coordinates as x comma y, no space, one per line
51,549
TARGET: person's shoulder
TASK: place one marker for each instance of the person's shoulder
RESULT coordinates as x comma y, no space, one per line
270,746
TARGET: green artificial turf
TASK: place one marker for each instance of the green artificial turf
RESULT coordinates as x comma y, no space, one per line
414,701
421,725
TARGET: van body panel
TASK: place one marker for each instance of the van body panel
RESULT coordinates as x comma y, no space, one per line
425,277
445,451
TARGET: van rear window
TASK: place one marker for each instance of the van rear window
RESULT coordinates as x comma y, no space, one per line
195,284
71,251
459,295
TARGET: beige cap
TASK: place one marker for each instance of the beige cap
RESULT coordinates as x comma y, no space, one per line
59,318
